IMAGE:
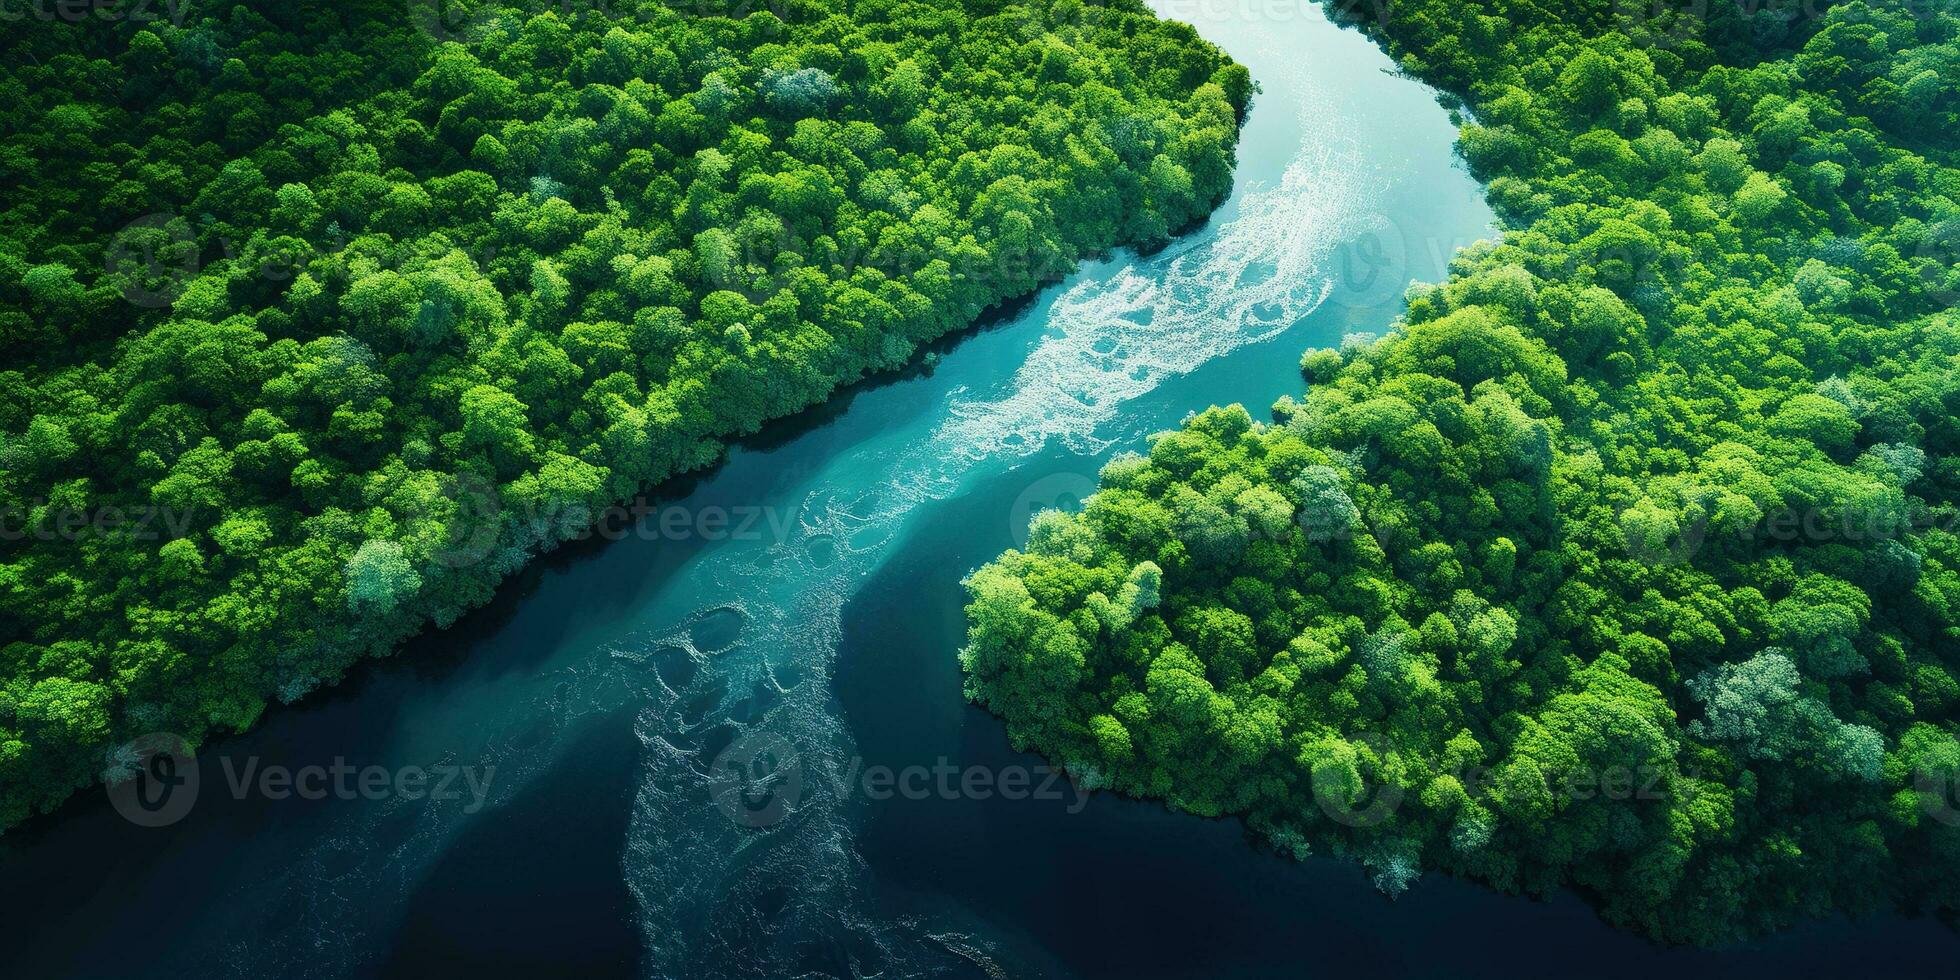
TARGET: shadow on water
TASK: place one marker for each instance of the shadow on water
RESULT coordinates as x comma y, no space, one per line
88,869
544,881
533,888
1073,885
435,655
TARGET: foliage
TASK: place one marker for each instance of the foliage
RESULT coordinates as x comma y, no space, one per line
1627,561
317,320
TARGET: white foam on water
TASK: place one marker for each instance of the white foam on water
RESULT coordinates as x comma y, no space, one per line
724,887
1119,339
766,883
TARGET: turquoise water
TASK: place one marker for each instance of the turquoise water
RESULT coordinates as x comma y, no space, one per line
683,730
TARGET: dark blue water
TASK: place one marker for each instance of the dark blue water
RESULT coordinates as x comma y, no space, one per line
682,731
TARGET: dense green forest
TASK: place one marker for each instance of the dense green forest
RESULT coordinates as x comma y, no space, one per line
1627,561
318,319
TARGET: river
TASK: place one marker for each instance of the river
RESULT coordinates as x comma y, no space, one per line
731,741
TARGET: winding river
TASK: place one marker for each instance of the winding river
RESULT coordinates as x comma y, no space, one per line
731,741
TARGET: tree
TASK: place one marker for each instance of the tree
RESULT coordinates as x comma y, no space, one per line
1613,520
800,93
380,578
